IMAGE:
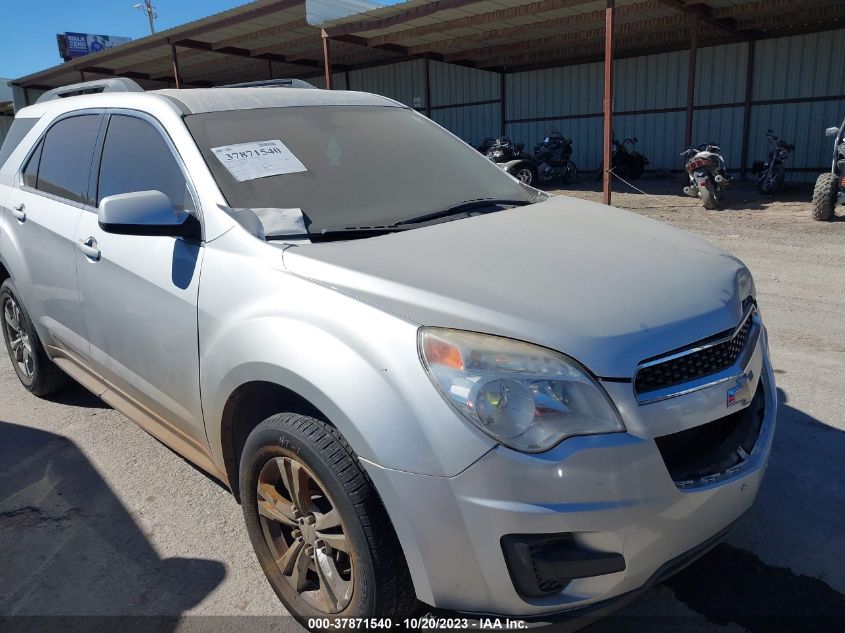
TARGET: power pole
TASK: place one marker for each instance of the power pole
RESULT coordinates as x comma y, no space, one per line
150,10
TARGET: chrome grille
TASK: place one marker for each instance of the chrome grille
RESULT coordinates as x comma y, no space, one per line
702,360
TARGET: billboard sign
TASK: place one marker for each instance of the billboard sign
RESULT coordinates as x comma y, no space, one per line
73,45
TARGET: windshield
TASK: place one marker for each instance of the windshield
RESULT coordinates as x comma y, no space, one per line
353,166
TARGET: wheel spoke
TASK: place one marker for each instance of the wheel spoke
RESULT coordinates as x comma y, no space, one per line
12,320
296,480
291,556
299,571
335,589
335,541
328,520
273,506
14,344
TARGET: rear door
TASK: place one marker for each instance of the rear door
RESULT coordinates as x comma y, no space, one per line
139,292
43,211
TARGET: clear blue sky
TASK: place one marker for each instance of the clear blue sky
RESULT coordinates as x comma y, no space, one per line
28,34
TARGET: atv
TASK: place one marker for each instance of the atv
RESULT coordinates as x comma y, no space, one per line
830,187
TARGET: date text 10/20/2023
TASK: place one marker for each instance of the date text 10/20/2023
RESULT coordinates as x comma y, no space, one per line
422,623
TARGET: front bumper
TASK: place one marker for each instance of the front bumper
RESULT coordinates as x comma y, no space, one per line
612,493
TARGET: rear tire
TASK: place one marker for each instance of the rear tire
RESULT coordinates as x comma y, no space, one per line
328,550
708,196
824,197
37,373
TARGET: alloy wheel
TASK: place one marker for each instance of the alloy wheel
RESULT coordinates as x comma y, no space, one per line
524,175
305,534
20,344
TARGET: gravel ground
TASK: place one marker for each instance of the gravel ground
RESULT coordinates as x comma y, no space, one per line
99,519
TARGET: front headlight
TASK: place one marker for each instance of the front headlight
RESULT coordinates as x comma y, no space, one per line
523,396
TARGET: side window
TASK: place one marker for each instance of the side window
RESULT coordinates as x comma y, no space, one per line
30,173
136,158
66,157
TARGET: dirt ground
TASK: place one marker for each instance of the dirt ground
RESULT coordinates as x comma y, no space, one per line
99,519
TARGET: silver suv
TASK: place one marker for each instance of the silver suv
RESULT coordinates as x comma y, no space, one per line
422,379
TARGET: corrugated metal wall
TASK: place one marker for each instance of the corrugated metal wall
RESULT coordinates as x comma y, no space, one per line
650,100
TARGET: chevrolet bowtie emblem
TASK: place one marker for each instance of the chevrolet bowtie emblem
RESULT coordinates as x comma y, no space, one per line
741,393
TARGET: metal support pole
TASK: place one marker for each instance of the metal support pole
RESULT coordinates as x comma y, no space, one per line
327,62
693,55
346,77
177,76
427,87
82,76
608,99
746,115
269,69
502,83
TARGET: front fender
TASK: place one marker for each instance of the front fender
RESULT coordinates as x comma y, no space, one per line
356,363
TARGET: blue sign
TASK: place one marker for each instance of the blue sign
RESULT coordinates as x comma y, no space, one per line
79,44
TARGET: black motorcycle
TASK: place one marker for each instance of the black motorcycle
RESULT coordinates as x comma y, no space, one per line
550,161
707,173
553,158
770,175
625,163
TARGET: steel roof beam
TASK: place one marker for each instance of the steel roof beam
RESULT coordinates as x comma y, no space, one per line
510,13
704,13
421,11
578,20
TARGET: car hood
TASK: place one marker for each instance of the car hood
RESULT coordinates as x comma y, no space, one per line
604,286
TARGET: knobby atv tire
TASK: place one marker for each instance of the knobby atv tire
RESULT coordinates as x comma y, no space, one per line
824,197
46,378
383,587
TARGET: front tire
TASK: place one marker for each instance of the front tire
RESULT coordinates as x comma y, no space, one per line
317,525
570,174
824,197
37,373
524,173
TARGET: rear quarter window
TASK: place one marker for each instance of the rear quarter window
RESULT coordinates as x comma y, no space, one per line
20,128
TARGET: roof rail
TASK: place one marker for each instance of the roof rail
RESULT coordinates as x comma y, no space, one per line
271,83
115,84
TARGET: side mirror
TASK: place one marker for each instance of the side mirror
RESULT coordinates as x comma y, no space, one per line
831,131
145,213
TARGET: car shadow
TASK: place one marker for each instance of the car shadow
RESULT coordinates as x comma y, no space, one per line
75,395
778,571
73,558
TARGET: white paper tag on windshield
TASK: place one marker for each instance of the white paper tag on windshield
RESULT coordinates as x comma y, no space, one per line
259,159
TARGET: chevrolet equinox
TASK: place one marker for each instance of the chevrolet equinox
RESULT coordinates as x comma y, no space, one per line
423,380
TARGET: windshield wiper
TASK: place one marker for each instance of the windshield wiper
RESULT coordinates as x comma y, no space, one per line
404,225
462,207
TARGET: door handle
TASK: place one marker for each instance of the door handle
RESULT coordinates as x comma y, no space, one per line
19,212
90,249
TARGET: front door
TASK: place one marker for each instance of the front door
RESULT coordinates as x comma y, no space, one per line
139,292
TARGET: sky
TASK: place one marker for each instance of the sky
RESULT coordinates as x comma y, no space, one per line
28,40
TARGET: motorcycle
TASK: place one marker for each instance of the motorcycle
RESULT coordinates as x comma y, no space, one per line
503,150
770,175
707,174
550,160
625,163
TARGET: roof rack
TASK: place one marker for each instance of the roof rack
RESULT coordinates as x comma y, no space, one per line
271,83
114,84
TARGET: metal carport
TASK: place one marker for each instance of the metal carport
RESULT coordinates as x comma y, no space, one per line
336,41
